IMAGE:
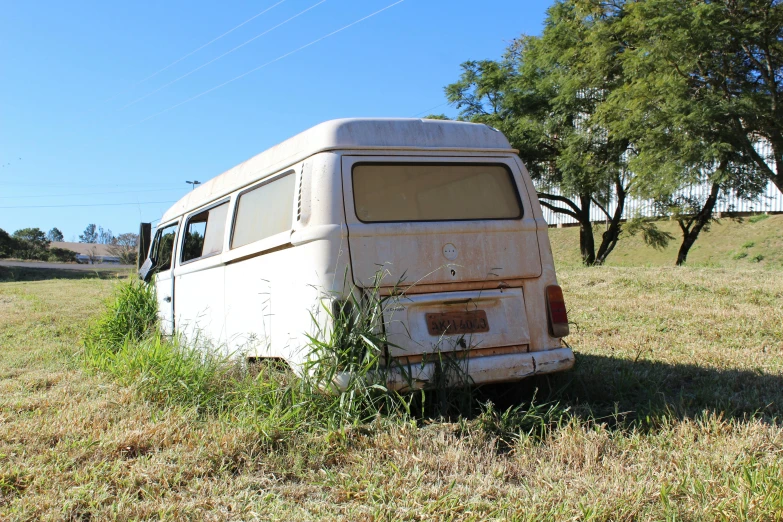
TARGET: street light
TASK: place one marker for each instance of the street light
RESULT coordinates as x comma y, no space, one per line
194,183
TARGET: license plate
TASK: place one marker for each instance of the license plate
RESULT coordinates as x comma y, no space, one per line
457,323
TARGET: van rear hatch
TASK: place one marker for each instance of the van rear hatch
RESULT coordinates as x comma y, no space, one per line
435,221
443,221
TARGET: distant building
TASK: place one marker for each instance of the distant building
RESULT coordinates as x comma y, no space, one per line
89,253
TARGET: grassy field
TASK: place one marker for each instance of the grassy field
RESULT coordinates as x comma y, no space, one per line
756,240
672,411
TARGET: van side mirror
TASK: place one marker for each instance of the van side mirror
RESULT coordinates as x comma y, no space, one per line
146,270
145,263
145,234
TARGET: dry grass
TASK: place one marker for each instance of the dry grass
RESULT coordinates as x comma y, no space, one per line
674,408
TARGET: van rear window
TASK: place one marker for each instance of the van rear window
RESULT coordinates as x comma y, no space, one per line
388,192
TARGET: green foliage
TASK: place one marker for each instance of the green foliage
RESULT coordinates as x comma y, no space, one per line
55,235
124,341
748,244
7,244
194,243
651,235
31,243
131,314
521,421
90,234
757,218
61,255
740,255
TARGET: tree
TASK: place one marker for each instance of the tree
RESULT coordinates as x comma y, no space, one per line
8,244
125,247
681,109
31,243
734,52
90,234
105,237
55,235
545,96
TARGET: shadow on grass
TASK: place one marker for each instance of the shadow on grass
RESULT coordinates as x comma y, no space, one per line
642,392
22,274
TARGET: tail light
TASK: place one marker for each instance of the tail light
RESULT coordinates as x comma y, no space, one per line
556,310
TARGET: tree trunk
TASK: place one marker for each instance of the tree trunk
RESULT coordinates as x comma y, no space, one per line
586,239
581,213
778,178
690,231
612,235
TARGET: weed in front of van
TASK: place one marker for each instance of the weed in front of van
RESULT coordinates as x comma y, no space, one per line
124,342
131,315
524,421
343,383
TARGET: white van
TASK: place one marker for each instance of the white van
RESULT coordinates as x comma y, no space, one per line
446,206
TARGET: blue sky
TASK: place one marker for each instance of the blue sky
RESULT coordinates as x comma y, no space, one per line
70,134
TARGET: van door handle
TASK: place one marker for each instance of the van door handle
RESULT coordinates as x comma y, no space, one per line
167,299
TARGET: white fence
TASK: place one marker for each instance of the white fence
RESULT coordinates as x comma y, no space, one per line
770,201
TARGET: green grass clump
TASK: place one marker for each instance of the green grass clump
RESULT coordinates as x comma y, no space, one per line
342,384
757,218
131,314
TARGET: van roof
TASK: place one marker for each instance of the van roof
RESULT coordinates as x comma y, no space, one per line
348,134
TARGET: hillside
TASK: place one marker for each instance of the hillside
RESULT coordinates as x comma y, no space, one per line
729,243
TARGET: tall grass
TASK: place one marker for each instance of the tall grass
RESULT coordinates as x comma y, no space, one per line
343,383
130,315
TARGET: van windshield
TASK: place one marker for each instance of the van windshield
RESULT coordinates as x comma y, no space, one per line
388,192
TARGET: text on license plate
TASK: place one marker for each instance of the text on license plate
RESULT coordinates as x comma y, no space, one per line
456,323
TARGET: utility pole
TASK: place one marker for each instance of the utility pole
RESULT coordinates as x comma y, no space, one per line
194,183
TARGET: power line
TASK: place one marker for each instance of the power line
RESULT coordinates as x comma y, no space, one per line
221,56
430,109
90,193
91,185
175,62
267,63
94,204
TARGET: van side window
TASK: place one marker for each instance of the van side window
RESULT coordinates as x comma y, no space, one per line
163,248
264,211
204,233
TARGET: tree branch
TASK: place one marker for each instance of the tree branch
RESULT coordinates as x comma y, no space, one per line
597,204
561,199
559,210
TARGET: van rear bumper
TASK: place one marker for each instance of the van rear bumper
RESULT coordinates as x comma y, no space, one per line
484,370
